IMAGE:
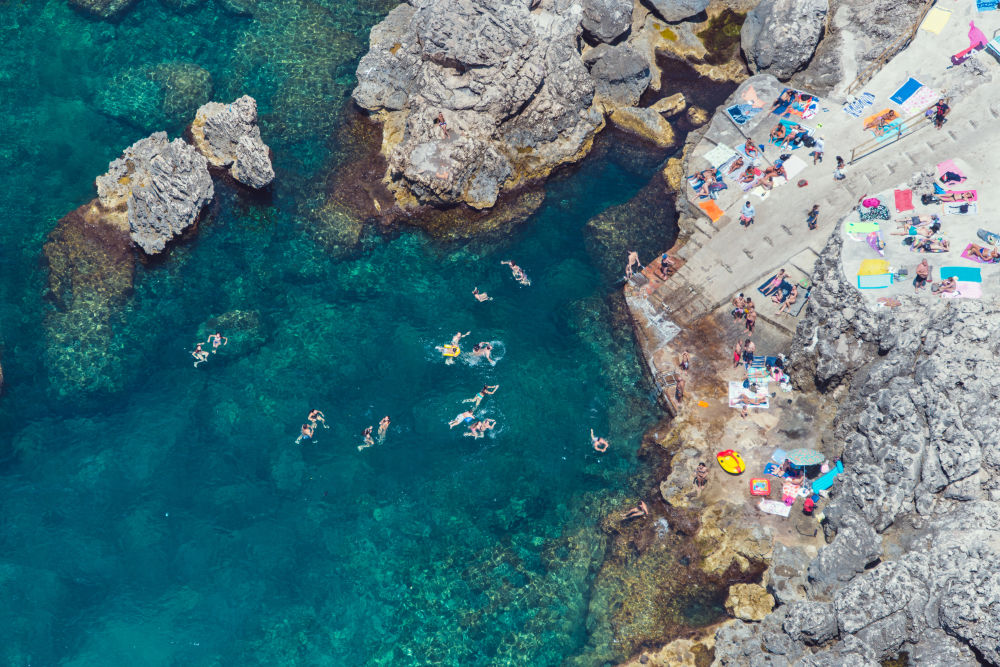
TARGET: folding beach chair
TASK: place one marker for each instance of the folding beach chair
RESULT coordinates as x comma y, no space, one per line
993,46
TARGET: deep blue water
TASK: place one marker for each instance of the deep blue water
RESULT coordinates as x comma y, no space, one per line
170,518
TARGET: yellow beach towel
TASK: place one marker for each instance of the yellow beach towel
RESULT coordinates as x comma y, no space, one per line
935,20
873,267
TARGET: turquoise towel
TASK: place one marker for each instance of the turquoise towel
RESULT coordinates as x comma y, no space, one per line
825,481
969,274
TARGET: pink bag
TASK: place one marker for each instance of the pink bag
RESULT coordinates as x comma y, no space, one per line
871,202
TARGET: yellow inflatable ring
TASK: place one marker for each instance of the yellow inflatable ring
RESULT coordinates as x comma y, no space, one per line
450,350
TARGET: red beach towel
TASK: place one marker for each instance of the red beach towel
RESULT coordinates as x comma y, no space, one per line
904,200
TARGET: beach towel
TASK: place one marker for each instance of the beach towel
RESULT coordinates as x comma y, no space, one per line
740,396
904,200
793,166
965,291
876,243
892,130
919,101
860,227
961,209
986,5
858,106
905,91
772,469
969,274
967,254
760,192
797,308
774,507
948,165
935,20
711,209
758,375
873,267
880,212
779,455
719,154
742,113
875,282
887,115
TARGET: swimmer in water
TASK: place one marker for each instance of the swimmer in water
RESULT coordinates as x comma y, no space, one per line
317,416
216,340
481,296
600,444
519,274
478,398
452,350
383,428
483,349
466,417
306,433
199,354
369,441
478,430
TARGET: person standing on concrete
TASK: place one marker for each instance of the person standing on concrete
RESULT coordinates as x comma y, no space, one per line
817,153
838,173
813,217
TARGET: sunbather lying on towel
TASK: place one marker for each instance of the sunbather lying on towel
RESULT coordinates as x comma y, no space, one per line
749,175
928,245
706,178
796,135
879,123
957,196
784,99
751,400
918,220
737,164
917,230
991,255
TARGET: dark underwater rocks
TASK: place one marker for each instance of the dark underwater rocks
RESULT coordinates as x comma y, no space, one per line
104,9
151,97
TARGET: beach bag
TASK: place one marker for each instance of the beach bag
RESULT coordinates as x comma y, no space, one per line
808,141
963,208
870,202
926,200
803,183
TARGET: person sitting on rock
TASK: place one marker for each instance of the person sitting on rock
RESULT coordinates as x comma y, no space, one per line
442,124
666,265
636,512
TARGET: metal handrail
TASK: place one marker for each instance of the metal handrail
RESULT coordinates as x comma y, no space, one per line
917,120
865,75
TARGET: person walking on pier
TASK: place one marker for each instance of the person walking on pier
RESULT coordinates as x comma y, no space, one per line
812,220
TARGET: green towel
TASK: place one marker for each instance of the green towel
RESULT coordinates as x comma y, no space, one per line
862,227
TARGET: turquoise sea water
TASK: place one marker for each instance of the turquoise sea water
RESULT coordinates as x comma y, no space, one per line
170,518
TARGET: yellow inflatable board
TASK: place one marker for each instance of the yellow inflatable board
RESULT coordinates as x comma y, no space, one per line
450,350
731,462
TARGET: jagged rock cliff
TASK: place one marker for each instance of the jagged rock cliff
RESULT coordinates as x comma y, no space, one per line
912,523
228,136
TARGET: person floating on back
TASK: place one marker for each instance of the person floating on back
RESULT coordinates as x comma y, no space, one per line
600,444
199,354
216,340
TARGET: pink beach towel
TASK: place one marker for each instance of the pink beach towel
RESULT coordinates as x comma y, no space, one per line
949,165
965,290
904,200
967,254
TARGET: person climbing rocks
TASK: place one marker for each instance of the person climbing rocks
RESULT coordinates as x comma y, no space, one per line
685,361
812,219
600,444
441,123
679,388
636,512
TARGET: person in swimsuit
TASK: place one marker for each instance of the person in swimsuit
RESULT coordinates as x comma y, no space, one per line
685,361
452,350
739,306
779,134
519,274
750,149
948,285
600,444
679,388
991,255
813,218
923,275
636,512
701,477
199,354
481,296
368,440
442,124
483,349
478,430
785,99
787,305
751,319
305,433
666,265
483,393
466,417
775,283
216,340
737,354
748,176
749,349
383,428
317,416
633,259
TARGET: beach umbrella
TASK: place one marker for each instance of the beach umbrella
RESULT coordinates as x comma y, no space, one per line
805,457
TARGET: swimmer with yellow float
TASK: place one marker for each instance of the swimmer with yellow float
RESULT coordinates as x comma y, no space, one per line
452,350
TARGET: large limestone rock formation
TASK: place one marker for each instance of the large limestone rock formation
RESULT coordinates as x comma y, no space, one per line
510,82
228,136
606,20
780,36
912,524
159,186
678,10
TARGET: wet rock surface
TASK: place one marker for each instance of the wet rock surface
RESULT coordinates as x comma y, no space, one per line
228,136
162,186
780,36
911,524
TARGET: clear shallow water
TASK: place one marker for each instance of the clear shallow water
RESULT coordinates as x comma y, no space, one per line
174,521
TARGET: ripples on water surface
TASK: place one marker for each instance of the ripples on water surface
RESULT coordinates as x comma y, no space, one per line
175,521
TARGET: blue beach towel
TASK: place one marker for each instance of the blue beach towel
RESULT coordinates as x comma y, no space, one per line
825,481
969,274
875,282
905,91
891,130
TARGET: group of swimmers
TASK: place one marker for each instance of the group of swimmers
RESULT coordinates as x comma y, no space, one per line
316,417
201,355
452,349
477,428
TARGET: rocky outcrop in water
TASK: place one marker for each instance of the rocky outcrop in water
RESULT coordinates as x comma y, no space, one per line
161,187
910,563
510,82
780,36
228,136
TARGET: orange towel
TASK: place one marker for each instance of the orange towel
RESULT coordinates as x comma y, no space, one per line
885,115
711,208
